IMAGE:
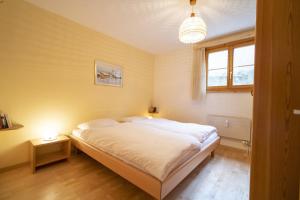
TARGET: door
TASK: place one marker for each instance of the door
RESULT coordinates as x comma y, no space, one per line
275,161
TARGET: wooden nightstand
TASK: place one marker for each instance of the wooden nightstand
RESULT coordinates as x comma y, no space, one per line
45,152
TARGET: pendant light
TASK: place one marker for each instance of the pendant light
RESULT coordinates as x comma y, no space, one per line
193,29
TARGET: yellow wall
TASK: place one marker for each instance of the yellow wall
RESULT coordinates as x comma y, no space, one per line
47,76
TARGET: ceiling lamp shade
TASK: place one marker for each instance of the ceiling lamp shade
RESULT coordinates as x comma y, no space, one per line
193,29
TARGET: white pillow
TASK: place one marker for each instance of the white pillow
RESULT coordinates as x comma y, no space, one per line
133,118
98,123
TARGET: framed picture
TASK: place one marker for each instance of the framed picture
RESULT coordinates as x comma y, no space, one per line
108,74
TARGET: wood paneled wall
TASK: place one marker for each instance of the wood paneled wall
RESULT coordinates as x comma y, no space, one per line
276,130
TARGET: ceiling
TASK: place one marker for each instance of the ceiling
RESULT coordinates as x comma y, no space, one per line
152,25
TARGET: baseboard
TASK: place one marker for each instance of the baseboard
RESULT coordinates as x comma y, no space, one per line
237,144
233,148
5,169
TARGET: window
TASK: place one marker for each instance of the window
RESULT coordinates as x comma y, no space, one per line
231,67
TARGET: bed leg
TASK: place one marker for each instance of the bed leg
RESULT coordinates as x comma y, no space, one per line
212,154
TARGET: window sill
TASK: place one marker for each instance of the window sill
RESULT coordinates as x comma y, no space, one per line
229,90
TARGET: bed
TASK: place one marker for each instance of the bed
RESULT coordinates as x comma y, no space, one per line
154,159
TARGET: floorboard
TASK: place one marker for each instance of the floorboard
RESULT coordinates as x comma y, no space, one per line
224,177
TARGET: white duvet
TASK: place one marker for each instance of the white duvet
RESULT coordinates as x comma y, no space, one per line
201,132
156,152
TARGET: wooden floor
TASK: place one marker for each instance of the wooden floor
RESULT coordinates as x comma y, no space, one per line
226,176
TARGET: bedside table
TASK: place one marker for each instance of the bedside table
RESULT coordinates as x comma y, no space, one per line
41,154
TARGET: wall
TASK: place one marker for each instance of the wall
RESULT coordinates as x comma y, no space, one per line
47,76
173,93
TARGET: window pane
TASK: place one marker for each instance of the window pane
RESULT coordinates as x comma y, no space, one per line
243,65
218,60
243,75
243,56
217,68
217,77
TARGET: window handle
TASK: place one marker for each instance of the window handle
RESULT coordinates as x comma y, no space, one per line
230,75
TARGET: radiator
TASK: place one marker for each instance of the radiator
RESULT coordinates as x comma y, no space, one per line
236,128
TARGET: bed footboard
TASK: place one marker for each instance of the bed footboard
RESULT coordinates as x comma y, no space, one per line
146,182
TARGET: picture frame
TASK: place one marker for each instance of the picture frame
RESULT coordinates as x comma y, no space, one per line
108,74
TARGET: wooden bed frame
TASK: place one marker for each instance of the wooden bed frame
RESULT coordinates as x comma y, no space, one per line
146,182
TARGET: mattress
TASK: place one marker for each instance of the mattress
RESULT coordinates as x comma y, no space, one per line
156,152
201,132
212,138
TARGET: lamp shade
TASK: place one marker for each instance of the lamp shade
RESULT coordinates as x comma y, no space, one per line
192,30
